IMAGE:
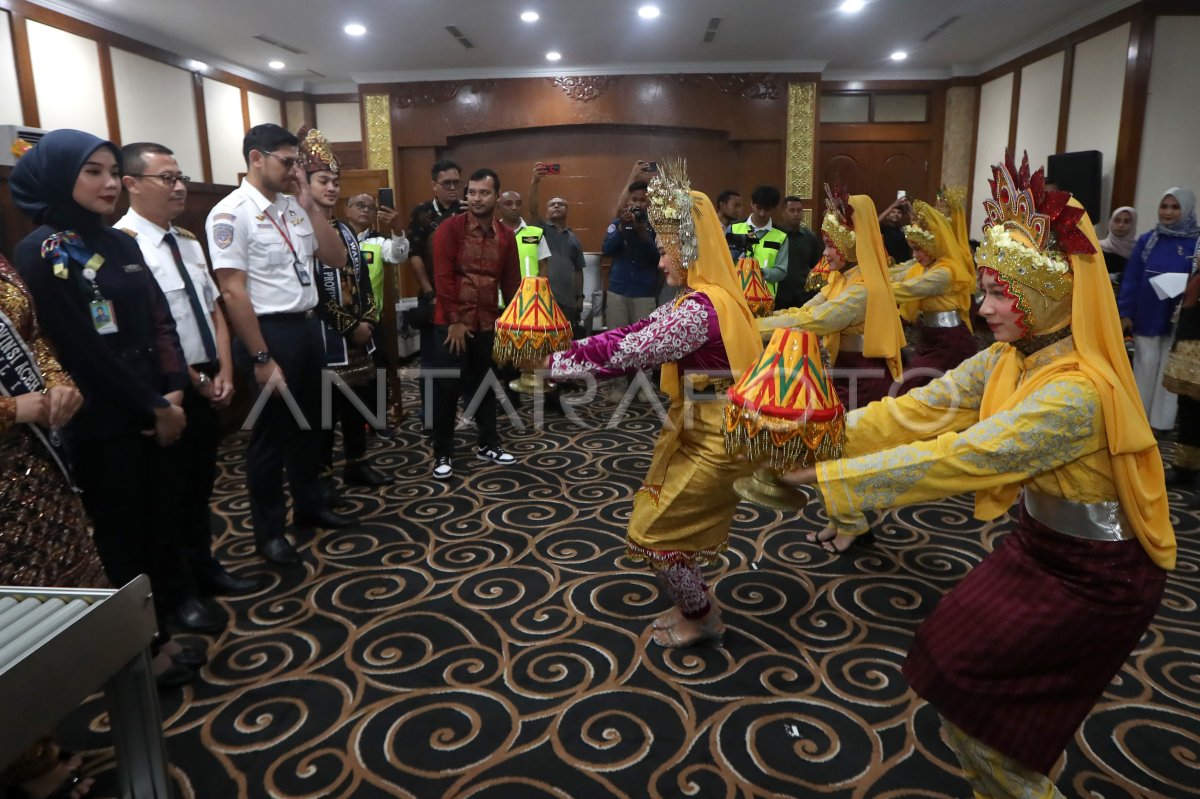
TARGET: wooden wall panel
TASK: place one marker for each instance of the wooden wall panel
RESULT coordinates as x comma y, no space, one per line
596,162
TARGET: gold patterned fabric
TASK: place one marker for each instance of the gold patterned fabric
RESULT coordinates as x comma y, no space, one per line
993,775
683,510
44,539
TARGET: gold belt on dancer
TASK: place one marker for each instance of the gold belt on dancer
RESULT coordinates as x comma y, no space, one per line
1095,521
939,319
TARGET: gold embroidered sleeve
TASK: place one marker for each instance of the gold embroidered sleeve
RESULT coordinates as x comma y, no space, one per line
949,403
8,413
335,316
47,361
931,283
1054,426
823,316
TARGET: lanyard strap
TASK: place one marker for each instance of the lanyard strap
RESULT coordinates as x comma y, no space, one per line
283,232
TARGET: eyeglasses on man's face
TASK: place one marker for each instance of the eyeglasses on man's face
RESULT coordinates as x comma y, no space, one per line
288,161
168,179
450,184
362,206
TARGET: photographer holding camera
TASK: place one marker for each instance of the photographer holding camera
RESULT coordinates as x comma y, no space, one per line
633,278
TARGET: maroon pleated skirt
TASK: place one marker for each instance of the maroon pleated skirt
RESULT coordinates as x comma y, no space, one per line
869,382
939,350
1017,654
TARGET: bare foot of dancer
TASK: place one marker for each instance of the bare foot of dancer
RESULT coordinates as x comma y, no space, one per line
830,541
689,632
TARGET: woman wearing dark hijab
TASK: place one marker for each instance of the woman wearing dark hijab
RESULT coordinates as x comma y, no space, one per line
109,322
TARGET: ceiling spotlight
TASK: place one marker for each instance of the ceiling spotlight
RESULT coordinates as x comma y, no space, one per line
648,12
198,66
354,29
851,6
899,55
553,55
529,16
276,65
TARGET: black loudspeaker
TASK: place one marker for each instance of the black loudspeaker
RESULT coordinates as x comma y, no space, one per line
1080,174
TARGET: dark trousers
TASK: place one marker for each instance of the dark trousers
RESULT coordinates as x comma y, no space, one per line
277,440
126,487
473,365
427,358
192,464
354,426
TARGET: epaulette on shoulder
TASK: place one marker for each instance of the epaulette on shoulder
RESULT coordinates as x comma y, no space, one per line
128,231
187,234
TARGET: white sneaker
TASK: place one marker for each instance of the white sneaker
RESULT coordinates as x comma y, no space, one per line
494,454
443,469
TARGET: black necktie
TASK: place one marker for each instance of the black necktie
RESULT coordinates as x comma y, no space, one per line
210,348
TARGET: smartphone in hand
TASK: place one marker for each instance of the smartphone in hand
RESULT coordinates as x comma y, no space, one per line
387,198
553,169
651,166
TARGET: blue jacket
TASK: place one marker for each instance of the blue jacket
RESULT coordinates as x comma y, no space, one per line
635,261
1137,300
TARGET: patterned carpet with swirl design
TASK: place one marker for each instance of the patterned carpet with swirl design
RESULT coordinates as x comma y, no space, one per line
484,638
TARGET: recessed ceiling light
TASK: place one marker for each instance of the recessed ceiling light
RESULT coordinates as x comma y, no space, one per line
276,65
530,16
354,29
199,66
899,55
648,12
553,55
851,6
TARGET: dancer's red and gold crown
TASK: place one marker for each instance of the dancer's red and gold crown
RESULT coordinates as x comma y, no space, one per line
532,326
838,225
670,212
784,410
1030,233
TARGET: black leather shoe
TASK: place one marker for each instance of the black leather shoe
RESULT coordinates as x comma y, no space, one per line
193,615
175,676
278,551
364,474
193,657
221,583
323,518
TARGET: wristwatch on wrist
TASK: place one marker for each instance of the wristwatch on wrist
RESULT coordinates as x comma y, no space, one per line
203,380
262,356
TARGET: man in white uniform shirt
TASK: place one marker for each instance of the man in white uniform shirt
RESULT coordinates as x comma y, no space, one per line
157,195
262,243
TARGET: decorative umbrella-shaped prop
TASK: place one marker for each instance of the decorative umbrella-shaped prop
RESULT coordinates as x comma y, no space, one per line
754,287
531,327
818,276
782,414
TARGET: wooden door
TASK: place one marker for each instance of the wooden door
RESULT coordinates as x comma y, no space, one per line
880,169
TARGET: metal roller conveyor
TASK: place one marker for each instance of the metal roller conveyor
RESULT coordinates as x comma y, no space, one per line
60,645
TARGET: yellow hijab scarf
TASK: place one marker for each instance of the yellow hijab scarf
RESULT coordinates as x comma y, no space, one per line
949,253
713,273
1100,355
883,336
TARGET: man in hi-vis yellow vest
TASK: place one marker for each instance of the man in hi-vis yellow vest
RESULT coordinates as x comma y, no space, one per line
758,236
532,249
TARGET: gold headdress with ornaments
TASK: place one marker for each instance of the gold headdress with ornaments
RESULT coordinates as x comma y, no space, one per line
918,232
1029,236
315,153
670,212
838,225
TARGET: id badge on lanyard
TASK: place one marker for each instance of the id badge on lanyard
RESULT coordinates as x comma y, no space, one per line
301,270
104,318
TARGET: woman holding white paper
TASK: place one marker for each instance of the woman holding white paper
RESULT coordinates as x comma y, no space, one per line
1147,317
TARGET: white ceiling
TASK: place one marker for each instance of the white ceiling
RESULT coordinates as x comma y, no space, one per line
407,39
